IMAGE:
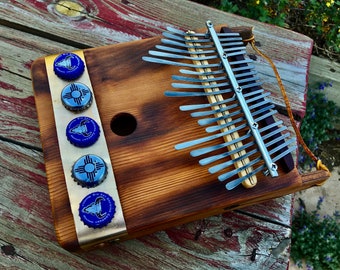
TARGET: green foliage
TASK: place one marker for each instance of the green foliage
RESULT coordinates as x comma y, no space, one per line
318,125
318,19
316,240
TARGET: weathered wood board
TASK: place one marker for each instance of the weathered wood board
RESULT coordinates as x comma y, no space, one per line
32,29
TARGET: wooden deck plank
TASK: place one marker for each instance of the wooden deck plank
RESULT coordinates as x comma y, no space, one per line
31,29
108,22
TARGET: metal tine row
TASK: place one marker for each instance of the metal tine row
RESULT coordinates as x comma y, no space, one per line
233,184
195,94
183,38
219,127
193,34
211,78
209,149
199,57
230,174
209,105
221,134
207,121
200,86
211,159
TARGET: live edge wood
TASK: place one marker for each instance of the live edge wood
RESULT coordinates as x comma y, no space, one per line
159,187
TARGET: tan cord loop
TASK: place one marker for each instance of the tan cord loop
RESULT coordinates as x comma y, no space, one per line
319,164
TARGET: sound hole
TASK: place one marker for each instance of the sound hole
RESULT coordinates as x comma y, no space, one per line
123,124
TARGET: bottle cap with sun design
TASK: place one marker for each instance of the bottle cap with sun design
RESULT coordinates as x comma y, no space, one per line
76,97
89,171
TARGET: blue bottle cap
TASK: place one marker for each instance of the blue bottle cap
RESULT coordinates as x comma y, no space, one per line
97,210
89,171
76,97
82,131
68,66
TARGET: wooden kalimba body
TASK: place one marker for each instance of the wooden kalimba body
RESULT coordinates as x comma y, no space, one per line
153,185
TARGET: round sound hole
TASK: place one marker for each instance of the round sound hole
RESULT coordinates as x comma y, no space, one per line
123,124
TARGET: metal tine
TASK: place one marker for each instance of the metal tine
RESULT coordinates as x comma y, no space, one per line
242,68
266,94
209,105
194,79
175,30
250,73
233,49
215,72
210,78
202,106
194,94
206,38
198,73
174,63
274,132
208,121
175,50
258,104
193,34
282,137
236,53
199,86
217,168
206,150
227,39
231,44
253,78
208,160
262,110
270,113
182,38
219,127
283,145
251,85
252,93
182,44
281,155
210,112
232,184
206,139
179,56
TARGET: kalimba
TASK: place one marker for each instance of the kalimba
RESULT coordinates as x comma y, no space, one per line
122,161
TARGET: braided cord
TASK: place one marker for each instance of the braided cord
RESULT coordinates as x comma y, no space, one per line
319,164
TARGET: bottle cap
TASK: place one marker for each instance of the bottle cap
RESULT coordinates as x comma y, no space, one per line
97,210
76,97
68,66
89,171
82,131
